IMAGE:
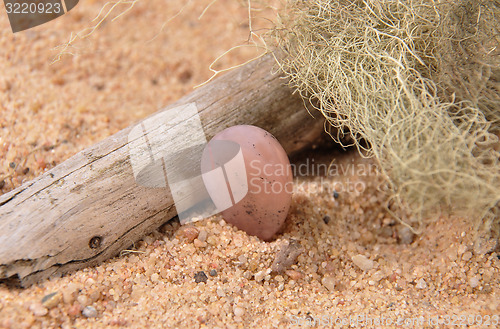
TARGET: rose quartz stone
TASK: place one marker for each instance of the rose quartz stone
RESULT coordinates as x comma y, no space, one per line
262,210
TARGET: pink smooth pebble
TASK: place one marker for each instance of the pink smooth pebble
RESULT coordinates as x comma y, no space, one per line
258,203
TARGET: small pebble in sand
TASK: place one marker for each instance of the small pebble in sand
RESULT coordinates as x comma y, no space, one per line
220,292
149,239
190,233
74,310
326,219
38,309
51,300
377,276
83,300
259,276
328,282
474,282
287,256
461,249
421,284
89,312
362,262
242,259
335,194
467,256
155,277
294,275
213,272
118,322
94,296
199,244
212,240
202,236
69,292
200,277
238,311
484,246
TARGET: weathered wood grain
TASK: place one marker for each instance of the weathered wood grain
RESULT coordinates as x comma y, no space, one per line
90,207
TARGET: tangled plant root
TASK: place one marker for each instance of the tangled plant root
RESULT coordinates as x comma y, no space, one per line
417,80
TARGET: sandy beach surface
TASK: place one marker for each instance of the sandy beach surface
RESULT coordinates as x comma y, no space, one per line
351,264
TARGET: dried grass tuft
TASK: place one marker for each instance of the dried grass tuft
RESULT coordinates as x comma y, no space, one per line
418,80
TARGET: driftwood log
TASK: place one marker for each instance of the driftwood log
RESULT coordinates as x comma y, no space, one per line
90,207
